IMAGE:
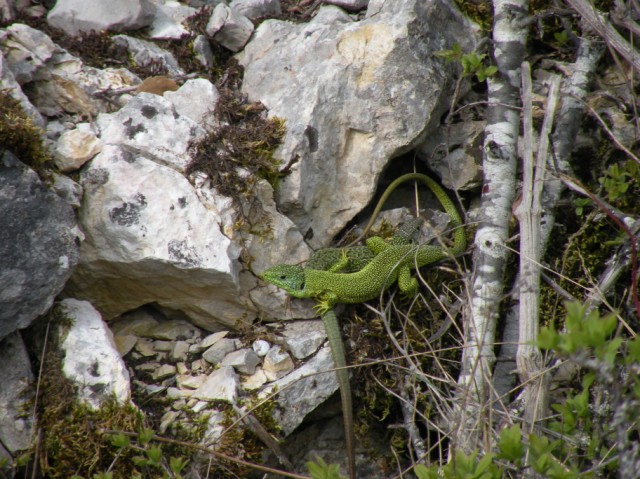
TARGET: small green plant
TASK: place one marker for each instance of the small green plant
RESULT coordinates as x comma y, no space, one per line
616,182
581,204
321,470
561,39
472,63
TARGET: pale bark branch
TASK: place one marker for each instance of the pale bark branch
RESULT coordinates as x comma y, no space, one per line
602,26
529,213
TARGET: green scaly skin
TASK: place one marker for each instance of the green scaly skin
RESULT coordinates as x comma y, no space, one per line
392,262
332,328
332,259
329,284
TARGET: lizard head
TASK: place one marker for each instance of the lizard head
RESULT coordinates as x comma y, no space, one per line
289,277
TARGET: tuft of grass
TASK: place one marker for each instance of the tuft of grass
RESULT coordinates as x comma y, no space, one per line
20,135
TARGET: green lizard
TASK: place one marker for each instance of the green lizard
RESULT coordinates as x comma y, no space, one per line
390,262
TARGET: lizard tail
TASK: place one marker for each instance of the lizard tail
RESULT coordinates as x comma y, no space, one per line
337,350
460,239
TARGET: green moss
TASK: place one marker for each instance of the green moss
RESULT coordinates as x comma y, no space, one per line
20,135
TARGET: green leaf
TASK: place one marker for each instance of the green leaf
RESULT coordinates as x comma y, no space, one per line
120,440
154,453
633,351
321,470
423,472
144,436
510,444
177,464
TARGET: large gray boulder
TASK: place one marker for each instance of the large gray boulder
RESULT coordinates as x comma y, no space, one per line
38,245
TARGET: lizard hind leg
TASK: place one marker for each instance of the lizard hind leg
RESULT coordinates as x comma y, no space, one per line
407,283
376,244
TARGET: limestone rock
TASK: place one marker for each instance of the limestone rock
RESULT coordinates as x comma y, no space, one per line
221,385
460,167
201,111
16,412
208,341
277,363
303,338
91,359
144,53
150,239
219,350
27,50
243,360
68,190
38,249
149,124
391,89
9,83
75,16
229,28
168,18
256,8
303,389
173,330
76,147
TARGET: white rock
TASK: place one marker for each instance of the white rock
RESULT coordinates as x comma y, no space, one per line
367,67
303,338
256,8
221,385
26,50
163,372
351,5
74,148
277,363
197,100
172,330
302,390
150,124
67,189
208,341
182,368
167,419
144,346
203,52
75,16
163,346
174,393
261,347
199,406
17,394
149,238
91,360
167,22
219,350
9,83
180,351
139,322
144,52
460,167
125,343
243,360
191,382
255,381
229,28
